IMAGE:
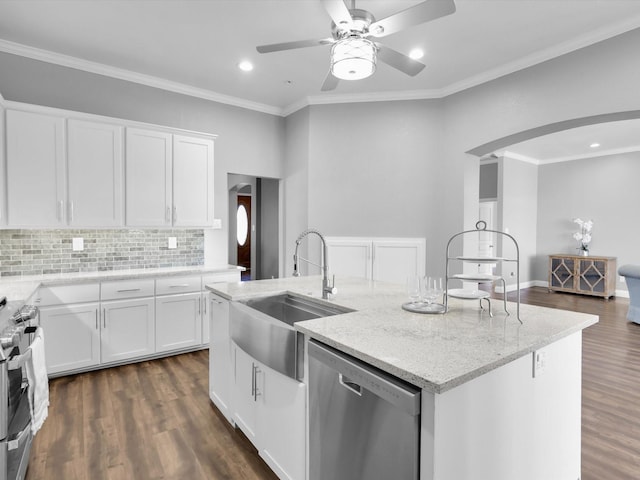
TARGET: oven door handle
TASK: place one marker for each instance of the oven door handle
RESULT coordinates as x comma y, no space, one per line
17,440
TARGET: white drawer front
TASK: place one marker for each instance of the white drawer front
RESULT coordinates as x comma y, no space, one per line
127,289
65,294
223,277
170,285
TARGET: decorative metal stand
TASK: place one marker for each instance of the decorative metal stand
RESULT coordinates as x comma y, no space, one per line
480,295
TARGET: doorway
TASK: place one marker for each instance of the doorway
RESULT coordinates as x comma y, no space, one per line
254,225
243,234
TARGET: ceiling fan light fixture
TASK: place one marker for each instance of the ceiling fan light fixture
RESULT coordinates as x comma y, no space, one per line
353,58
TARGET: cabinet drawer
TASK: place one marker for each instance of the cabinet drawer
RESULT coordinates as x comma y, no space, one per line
127,289
223,277
170,285
64,294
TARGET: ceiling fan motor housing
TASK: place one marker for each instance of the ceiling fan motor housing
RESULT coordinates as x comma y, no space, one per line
361,20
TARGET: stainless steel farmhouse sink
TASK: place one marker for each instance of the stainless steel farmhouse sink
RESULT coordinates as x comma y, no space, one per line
263,328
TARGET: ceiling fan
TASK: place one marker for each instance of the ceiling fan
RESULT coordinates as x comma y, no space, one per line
353,52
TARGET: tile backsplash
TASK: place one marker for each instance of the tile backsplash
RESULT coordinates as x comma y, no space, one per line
37,252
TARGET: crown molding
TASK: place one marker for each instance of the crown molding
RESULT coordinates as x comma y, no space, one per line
541,56
176,87
131,76
519,157
602,153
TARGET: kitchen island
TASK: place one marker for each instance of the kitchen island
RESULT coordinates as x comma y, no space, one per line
500,399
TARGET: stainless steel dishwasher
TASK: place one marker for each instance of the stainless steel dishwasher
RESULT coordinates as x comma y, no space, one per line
364,424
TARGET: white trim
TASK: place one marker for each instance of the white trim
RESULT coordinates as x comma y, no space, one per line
517,156
131,76
513,287
602,153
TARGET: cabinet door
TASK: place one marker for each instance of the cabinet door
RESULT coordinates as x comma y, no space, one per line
178,322
127,329
350,257
281,426
72,337
94,163
562,273
246,379
192,181
220,359
148,178
394,260
35,169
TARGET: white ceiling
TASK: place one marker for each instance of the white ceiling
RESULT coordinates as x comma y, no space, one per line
194,46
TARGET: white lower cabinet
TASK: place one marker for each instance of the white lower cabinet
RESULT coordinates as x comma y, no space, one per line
220,364
269,408
72,334
128,329
178,321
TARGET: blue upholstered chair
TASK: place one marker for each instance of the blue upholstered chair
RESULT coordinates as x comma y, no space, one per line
631,274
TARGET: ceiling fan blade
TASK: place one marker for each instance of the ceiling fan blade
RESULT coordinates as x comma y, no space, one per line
338,12
330,82
399,61
276,47
421,13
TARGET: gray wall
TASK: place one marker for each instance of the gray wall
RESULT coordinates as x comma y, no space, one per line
268,227
603,189
517,215
248,142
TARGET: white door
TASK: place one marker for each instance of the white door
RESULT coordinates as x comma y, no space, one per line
72,336
35,169
395,259
486,240
246,380
282,431
192,181
94,163
127,329
178,321
349,257
148,178
220,360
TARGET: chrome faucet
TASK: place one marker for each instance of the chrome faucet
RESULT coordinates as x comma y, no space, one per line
326,288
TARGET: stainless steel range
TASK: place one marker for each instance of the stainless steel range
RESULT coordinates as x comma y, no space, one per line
17,329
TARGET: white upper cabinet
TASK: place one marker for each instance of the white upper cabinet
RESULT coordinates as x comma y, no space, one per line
169,179
3,180
94,162
148,178
192,181
35,169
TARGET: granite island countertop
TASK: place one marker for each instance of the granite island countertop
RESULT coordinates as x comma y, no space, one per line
20,288
434,352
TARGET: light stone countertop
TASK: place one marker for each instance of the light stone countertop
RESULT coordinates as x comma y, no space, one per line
434,352
21,288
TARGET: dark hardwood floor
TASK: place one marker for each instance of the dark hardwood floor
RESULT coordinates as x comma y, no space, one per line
154,420
150,420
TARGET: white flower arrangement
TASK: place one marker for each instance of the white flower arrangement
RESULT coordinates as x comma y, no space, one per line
584,234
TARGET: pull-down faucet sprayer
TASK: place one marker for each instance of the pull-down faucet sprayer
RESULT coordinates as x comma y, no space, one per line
326,288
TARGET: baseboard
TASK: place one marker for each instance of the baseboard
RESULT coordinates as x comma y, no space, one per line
541,283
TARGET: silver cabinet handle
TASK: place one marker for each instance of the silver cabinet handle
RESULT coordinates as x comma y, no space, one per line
175,214
60,210
205,305
97,326
167,215
253,380
124,290
104,317
256,392
71,211
181,285
199,307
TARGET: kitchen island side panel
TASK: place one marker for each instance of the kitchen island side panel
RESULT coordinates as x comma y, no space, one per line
508,424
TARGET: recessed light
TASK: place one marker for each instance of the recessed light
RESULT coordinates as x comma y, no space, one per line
594,145
416,54
245,66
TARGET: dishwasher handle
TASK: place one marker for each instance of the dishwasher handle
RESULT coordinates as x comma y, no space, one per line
358,375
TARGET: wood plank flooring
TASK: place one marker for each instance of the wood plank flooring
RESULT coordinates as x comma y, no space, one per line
154,420
150,420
